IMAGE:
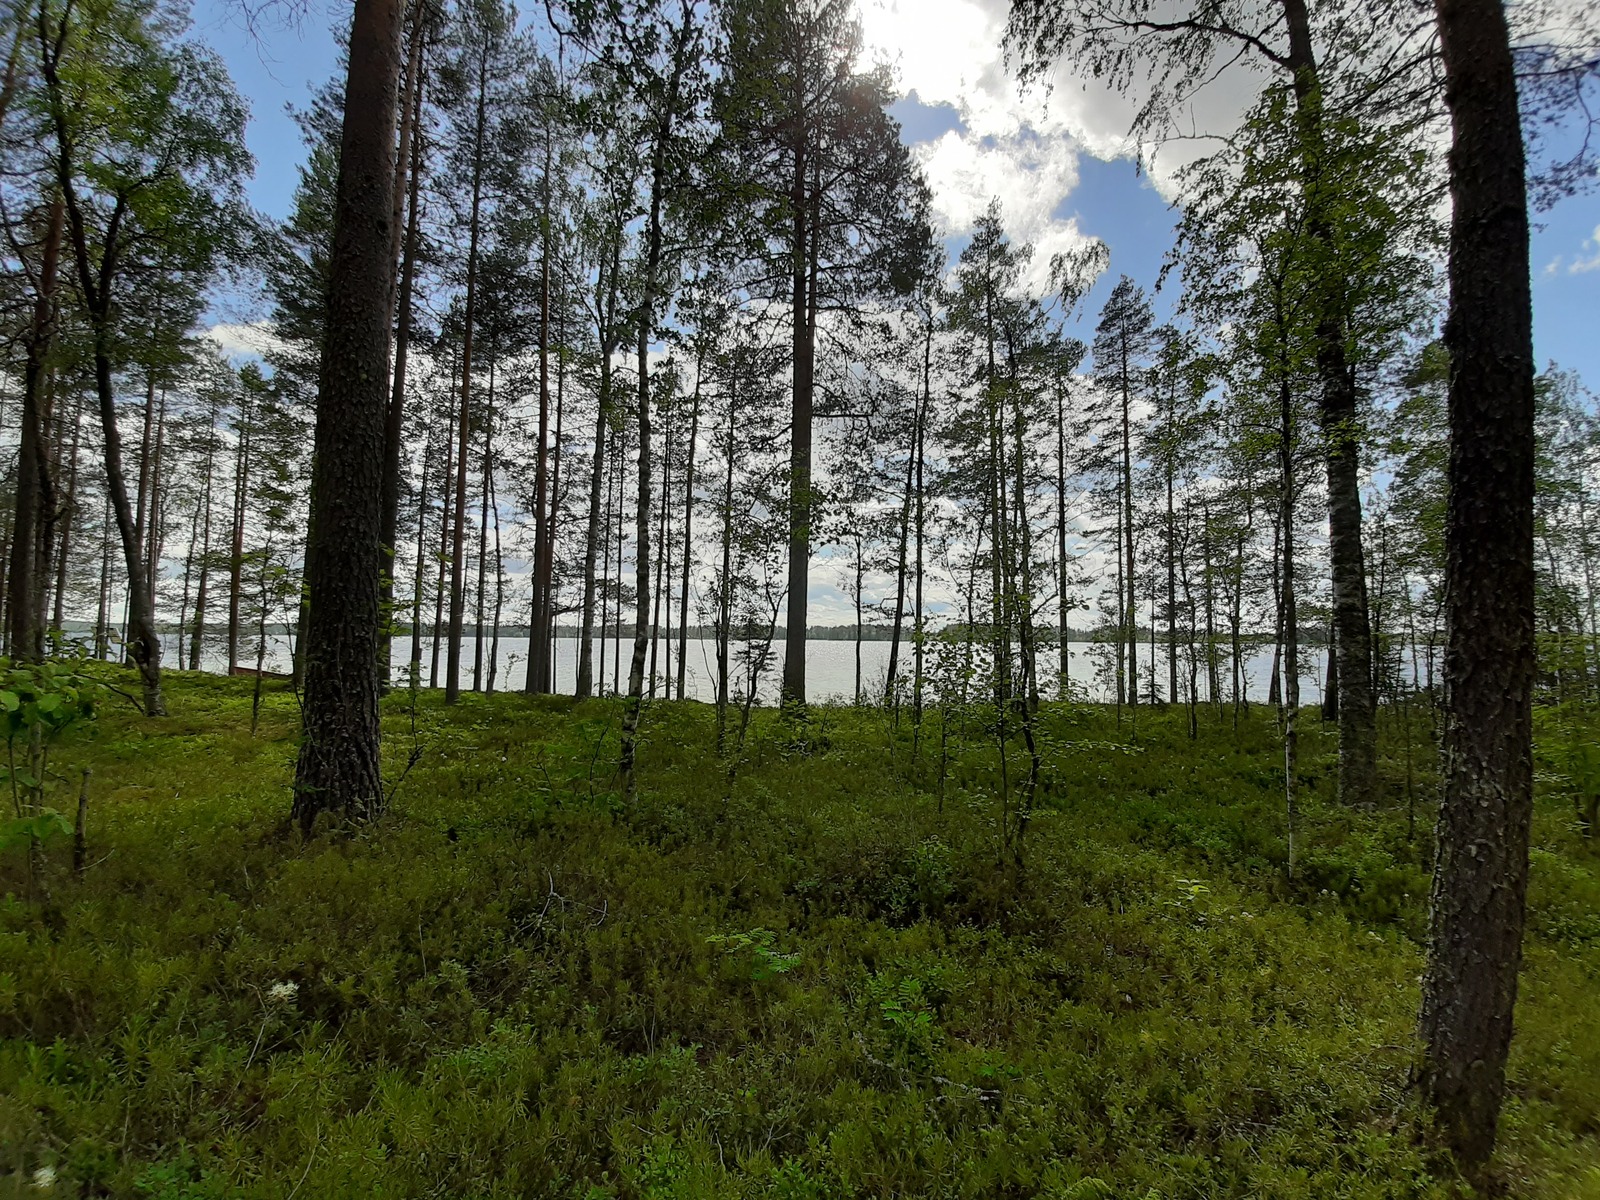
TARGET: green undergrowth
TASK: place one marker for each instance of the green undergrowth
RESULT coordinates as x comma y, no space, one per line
814,979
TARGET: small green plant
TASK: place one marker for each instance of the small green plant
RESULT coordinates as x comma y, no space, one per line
39,703
759,950
905,1018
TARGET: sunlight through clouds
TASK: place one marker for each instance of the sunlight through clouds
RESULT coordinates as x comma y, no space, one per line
1020,147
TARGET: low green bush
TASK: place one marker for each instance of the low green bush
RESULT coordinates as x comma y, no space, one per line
803,978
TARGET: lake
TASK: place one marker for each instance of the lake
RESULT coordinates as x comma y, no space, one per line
830,665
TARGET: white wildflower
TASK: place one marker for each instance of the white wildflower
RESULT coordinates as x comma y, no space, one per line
283,993
44,1178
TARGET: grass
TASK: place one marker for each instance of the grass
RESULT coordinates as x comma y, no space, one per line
814,981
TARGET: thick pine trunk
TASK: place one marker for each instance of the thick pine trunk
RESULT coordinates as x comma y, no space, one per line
338,768
1480,875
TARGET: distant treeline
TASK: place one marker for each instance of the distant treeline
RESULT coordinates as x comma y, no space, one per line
1309,635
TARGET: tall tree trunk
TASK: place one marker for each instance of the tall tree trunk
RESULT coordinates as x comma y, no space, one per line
144,648
96,282
35,492
202,586
483,532
860,697
414,662
499,585
725,580
1480,876
141,519
613,500
408,171
802,251
594,533
622,487
688,527
156,533
918,650
539,631
102,623
552,602
445,491
891,673
649,285
1331,689
241,489
1131,575
458,598
1290,617
1064,651
1172,553
69,514
1358,762
188,582
664,540
338,768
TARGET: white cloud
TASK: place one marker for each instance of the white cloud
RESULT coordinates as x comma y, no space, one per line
1026,174
1582,266
244,341
1020,146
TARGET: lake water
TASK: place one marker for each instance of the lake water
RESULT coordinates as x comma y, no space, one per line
830,666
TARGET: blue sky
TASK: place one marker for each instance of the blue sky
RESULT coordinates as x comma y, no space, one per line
1054,162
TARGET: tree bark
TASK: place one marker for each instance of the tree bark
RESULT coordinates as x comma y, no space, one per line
1290,618
538,681
69,513
1358,761
338,768
688,528
804,344
650,284
408,167
1480,875
594,534
34,493
241,486
483,532
458,597
202,585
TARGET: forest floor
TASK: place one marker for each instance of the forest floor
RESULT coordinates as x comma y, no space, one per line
813,980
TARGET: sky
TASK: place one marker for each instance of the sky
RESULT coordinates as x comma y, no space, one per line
1059,163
